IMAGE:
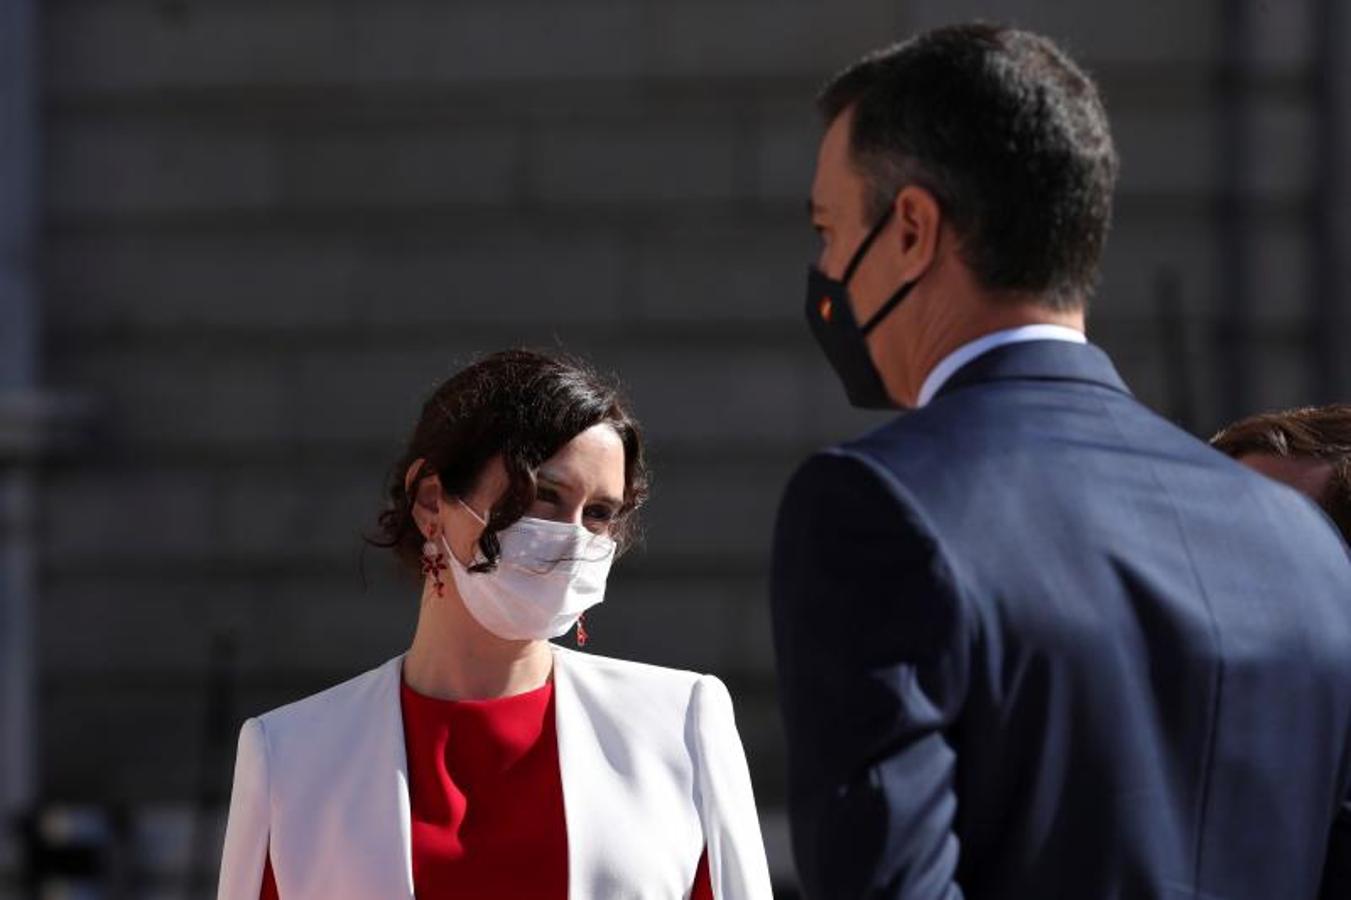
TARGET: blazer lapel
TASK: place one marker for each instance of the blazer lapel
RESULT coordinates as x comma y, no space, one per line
381,793
341,824
627,790
576,751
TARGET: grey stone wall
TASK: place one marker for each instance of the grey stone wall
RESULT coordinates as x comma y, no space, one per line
273,225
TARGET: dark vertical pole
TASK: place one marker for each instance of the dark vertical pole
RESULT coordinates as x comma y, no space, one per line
1330,210
217,748
1233,227
18,382
1174,344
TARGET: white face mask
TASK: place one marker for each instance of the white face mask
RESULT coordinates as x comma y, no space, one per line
549,574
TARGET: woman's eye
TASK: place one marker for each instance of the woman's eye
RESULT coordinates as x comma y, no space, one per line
600,513
548,495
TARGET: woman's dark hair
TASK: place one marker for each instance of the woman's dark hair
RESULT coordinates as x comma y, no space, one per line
1010,137
524,405
1320,433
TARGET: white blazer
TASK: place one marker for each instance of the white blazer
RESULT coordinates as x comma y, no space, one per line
652,766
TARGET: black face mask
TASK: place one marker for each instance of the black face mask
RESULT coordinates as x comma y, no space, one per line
831,318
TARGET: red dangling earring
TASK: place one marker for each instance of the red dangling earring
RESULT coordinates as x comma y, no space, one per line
582,636
434,563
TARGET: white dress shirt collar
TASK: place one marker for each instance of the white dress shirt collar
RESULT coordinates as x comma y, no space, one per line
948,366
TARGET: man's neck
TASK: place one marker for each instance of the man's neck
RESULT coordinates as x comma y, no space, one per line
948,333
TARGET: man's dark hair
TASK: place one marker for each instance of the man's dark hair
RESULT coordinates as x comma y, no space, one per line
1010,137
1321,433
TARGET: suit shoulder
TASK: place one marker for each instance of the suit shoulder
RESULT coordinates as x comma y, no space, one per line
856,478
939,434
853,460
1304,521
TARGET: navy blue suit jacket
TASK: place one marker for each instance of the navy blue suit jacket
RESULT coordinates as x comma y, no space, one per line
1036,642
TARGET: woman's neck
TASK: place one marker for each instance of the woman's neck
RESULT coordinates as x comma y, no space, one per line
453,657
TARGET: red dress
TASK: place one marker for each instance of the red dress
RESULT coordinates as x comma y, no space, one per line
487,799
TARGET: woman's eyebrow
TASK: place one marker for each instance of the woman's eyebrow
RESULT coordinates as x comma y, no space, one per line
556,482
612,502
553,480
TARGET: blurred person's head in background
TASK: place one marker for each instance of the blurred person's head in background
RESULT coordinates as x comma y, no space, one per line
523,470
969,171
1309,449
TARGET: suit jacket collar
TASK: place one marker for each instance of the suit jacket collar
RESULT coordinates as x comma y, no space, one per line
1038,361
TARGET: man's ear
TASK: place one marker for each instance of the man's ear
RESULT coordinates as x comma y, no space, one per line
919,219
426,490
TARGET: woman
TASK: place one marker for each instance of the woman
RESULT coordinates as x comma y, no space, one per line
486,761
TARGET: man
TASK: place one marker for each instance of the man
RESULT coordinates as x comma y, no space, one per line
1308,449
1033,640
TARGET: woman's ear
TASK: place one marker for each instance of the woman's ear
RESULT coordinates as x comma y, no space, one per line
426,491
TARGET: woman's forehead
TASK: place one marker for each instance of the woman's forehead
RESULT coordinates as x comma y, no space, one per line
593,461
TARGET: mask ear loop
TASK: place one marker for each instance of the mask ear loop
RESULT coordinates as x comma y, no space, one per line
857,260
482,520
862,250
892,302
